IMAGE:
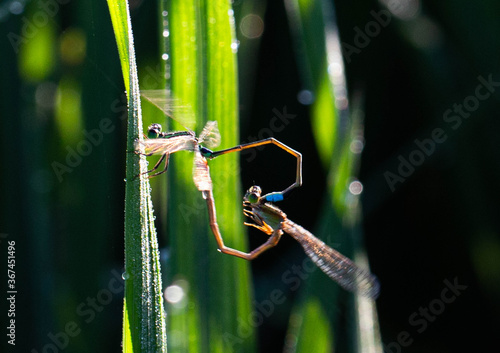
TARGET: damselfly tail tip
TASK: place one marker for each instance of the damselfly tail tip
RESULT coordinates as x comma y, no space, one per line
370,288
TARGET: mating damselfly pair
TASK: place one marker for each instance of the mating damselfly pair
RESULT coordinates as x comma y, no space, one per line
266,217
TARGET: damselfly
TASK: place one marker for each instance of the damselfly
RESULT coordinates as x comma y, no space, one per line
272,221
165,143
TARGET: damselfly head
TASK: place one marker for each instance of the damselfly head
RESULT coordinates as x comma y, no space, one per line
154,131
253,194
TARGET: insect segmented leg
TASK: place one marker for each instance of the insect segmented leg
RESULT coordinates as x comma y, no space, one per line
165,157
271,242
274,196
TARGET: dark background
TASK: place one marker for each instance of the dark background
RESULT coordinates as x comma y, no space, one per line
440,223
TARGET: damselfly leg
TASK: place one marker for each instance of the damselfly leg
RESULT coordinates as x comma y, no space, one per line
272,221
274,196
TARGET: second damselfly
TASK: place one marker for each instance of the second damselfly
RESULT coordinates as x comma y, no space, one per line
166,143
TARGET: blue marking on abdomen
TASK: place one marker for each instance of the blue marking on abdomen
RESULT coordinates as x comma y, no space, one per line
274,197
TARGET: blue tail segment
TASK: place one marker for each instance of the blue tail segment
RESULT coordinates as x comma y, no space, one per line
274,197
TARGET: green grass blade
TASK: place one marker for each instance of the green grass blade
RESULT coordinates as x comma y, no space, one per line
144,322
119,17
314,327
204,76
316,36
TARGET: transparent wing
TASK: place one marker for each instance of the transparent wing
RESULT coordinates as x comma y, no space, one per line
334,264
201,172
166,145
171,107
210,135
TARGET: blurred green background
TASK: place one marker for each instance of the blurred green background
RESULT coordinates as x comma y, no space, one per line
429,164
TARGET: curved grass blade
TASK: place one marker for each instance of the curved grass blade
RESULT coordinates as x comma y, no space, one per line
317,39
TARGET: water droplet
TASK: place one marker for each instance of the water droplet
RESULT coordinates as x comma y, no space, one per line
164,255
357,146
166,33
356,187
336,69
342,103
305,97
252,26
164,13
174,294
16,7
404,10
235,45
165,56
125,276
